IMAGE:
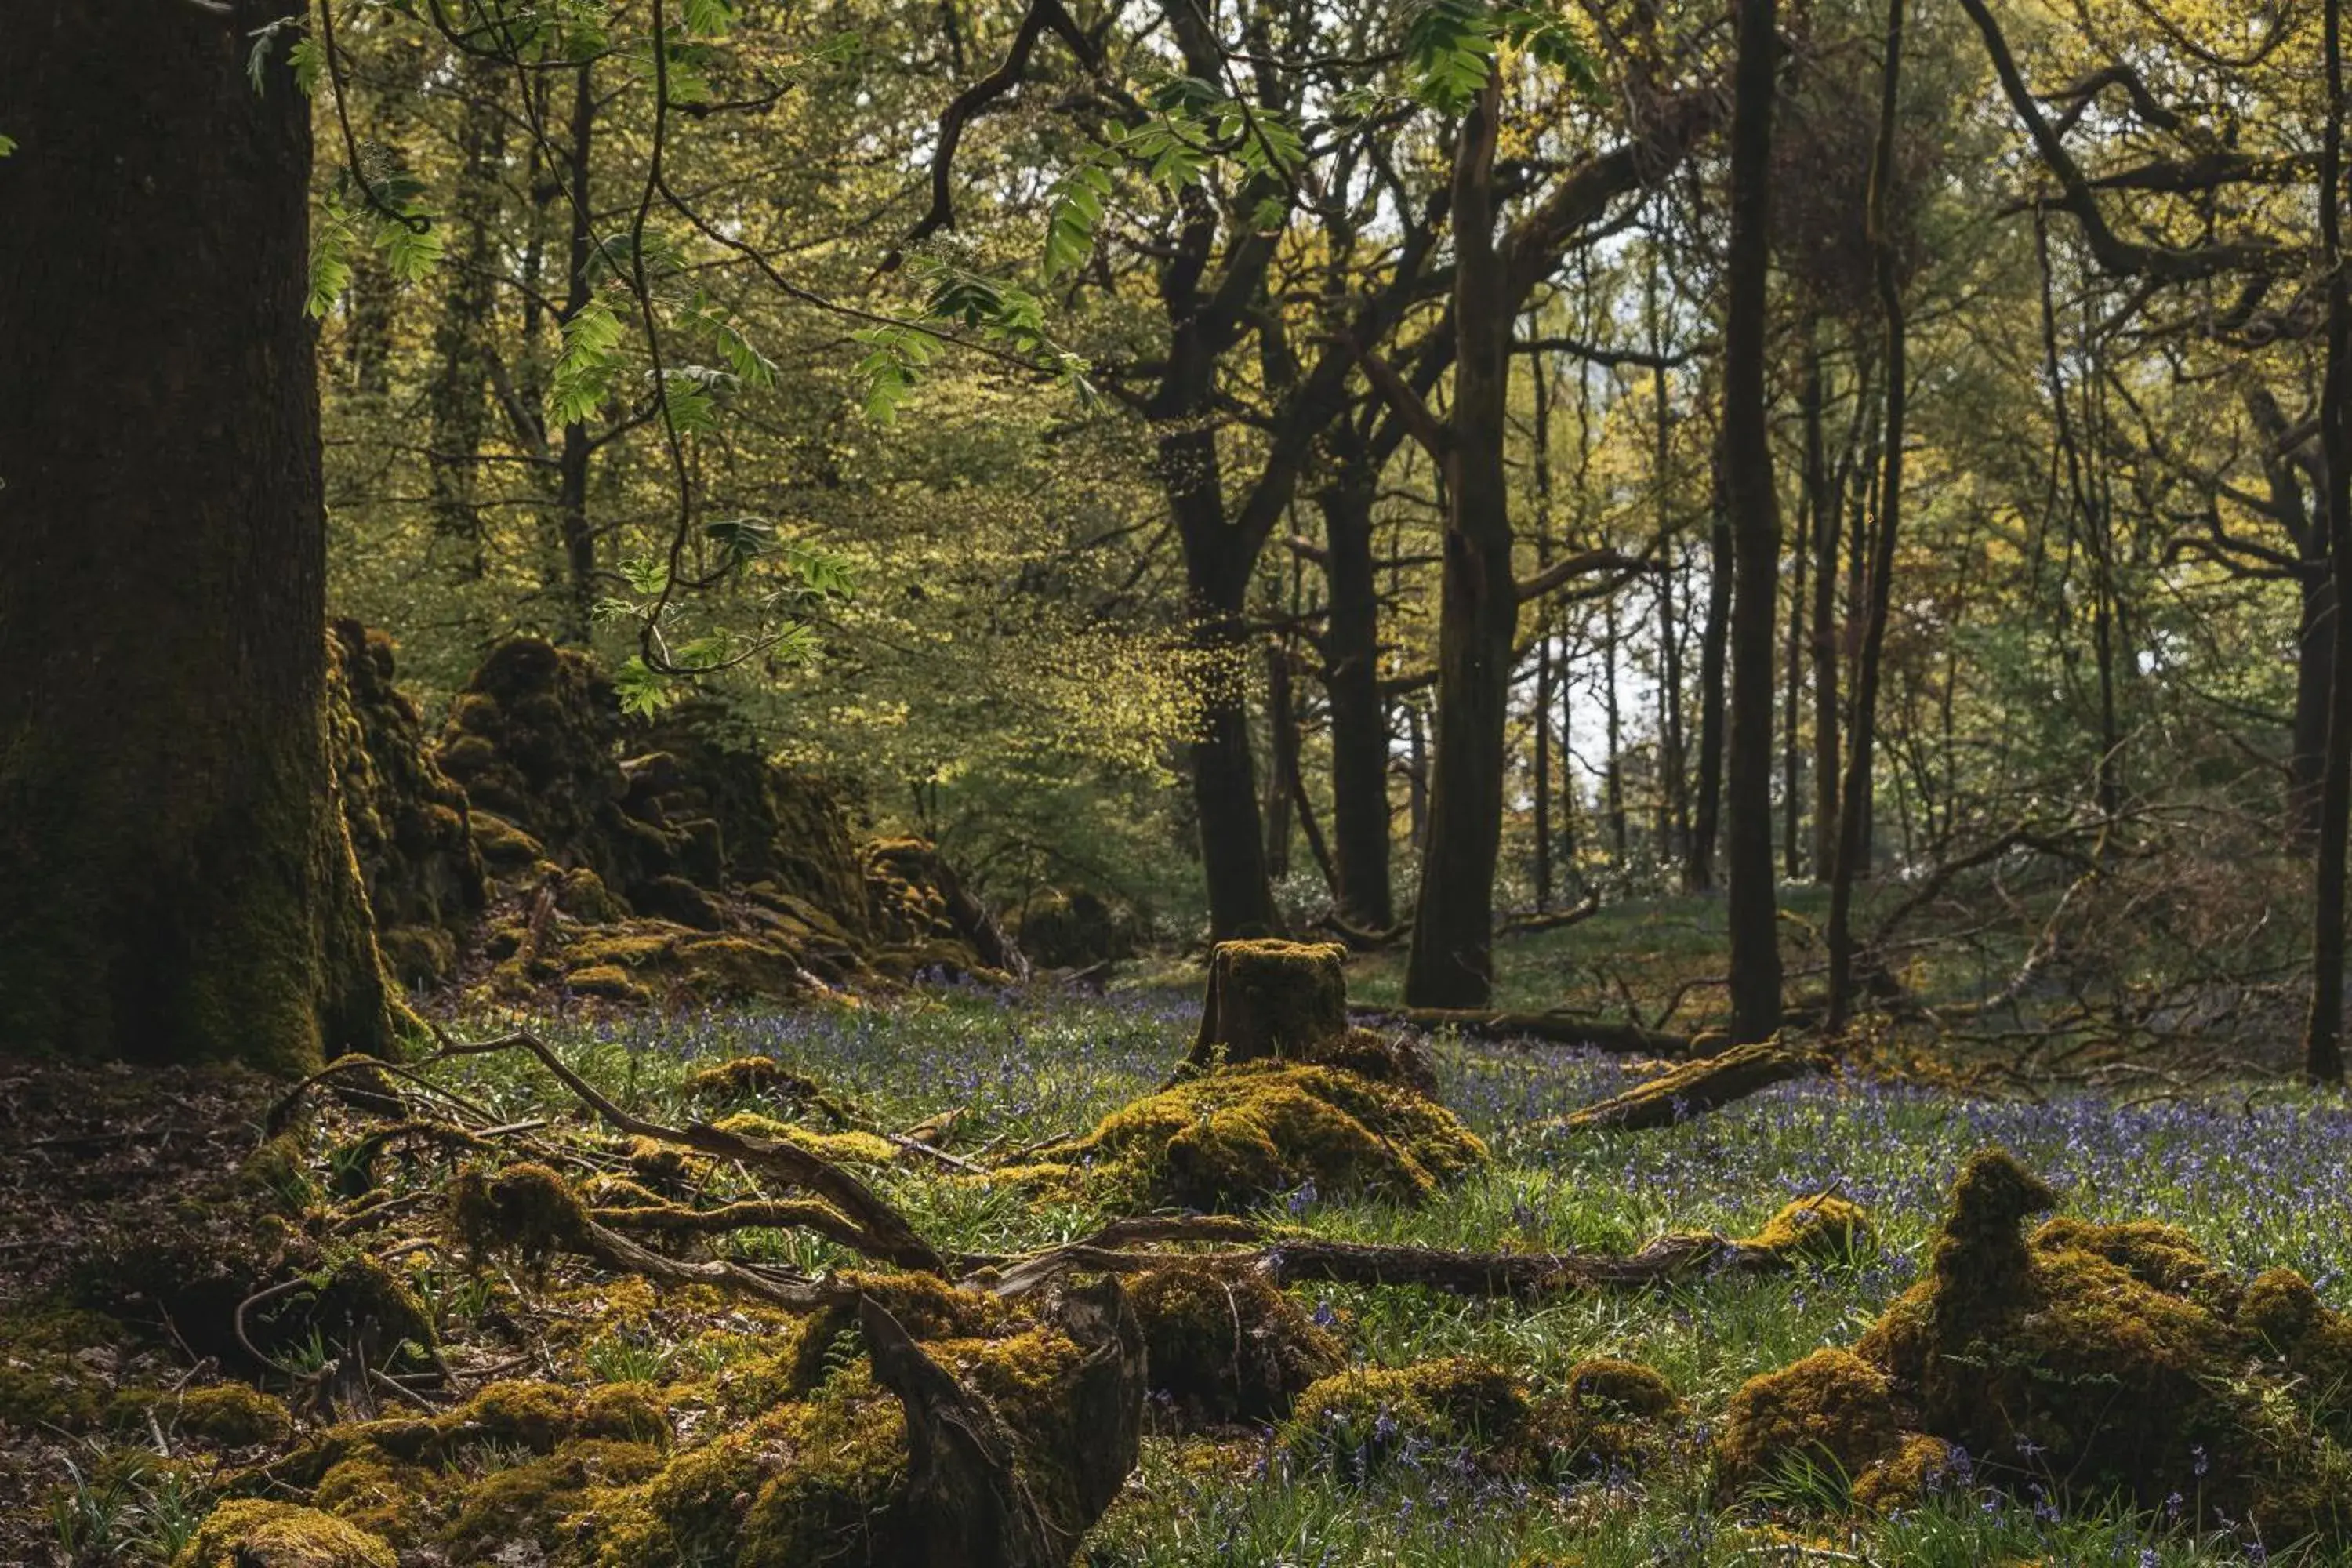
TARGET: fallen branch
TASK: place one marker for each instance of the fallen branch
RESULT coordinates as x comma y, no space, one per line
1560,1029
1522,925
1693,1089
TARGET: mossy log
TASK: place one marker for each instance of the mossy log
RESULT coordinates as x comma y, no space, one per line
1555,1027
1693,1089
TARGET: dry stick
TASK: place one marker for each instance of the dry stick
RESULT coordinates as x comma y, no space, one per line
882,1231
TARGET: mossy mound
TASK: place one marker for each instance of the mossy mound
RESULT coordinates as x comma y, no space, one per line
42,1382
1233,1138
248,1532
1360,1418
527,1212
2106,1360
1607,1417
235,1414
409,821
1223,1345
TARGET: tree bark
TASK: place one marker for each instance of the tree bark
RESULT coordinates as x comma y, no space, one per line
2322,1049
176,882
1698,861
575,624
1450,966
1753,913
1282,746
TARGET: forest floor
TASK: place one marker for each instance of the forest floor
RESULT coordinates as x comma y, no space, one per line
100,1171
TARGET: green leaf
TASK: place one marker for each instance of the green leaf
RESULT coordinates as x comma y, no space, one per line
330,262
708,19
741,537
646,575
309,62
1074,213
894,363
585,371
409,252
642,691
8,145
1449,48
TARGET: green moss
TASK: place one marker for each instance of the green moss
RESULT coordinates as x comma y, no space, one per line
234,1414
581,894
751,1078
1918,1469
400,1501
527,1501
1224,1344
1824,1227
1232,1138
41,1381
249,1532
1608,1417
607,983
280,1170
361,1290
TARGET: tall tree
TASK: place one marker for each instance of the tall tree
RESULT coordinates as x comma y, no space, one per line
1753,508
2323,1047
175,878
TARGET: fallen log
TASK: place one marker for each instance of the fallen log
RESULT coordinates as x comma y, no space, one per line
1556,920
1691,1089
1555,1027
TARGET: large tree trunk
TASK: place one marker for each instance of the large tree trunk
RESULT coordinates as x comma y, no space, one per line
176,879
1752,912
1351,681
2323,1049
1478,614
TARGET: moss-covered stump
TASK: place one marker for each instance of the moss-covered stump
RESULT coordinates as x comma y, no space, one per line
1230,1138
1224,1344
2107,1359
248,1532
408,819
1287,1001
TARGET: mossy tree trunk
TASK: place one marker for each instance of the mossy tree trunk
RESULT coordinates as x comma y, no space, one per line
175,878
1271,999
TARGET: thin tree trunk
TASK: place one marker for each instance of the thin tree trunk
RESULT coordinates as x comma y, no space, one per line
176,880
1853,813
1613,780
1453,929
1282,735
1673,810
2323,1051
1792,748
1828,507
1752,911
1698,861
1543,646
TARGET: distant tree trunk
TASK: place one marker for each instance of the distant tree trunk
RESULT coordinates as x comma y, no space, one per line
2314,638
1793,749
1698,861
176,882
1672,809
1880,590
1452,927
456,406
2323,1050
1217,567
1351,682
1752,911
1863,511
1543,646
1827,507
1282,737
575,623
1613,780
1416,776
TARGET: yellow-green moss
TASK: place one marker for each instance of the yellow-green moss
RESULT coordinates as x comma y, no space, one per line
606,981
526,1501
1920,1467
400,1501
853,1148
234,1414
1235,1137
1608,1416
41,1383
250,1532
1224,1344
1824,1227
1832,1411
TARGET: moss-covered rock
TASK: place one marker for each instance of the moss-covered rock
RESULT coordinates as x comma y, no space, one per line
409,821
1609,1417
926,919
1078,930
1224,1344
234,1413
1232,1138
250,1532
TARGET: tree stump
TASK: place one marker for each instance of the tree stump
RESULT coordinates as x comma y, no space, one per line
1282,999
